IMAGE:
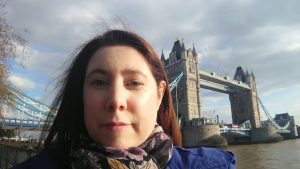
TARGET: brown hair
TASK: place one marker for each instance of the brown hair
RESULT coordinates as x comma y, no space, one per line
69,124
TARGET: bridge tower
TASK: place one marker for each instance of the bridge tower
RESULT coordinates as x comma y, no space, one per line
244,104
186,99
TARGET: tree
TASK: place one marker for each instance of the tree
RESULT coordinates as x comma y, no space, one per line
10,40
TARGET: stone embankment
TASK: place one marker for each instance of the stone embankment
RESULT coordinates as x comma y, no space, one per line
204,135
265,135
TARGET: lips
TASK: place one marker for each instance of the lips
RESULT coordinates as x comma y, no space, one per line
116,126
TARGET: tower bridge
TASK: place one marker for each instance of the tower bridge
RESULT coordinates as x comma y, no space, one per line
241,90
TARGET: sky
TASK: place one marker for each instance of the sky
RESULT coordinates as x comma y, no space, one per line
261,36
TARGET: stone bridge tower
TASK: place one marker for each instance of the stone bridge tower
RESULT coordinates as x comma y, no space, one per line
186,100
244,104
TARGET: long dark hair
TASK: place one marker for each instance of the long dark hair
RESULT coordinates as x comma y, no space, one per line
68,123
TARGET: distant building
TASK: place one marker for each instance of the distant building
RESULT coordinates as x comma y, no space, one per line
284,119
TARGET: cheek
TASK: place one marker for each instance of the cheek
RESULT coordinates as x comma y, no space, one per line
88,114
145,106
90,106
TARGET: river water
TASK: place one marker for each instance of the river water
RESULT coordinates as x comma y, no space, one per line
280,155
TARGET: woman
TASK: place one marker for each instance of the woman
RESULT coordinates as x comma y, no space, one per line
115,111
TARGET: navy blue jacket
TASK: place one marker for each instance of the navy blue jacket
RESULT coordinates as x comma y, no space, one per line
196,158
201,158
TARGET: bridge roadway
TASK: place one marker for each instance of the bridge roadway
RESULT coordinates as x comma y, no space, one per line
13,123
217,83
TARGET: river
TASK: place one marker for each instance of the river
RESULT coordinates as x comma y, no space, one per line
280,155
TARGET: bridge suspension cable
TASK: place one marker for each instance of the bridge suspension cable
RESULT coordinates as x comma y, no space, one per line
29,106
34,104
174,83
273,122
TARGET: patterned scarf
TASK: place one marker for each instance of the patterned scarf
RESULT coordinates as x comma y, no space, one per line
154,153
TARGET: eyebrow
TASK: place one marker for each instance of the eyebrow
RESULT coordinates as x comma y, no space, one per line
97,71
124,72
133,72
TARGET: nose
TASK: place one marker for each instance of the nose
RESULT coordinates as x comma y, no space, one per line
116,99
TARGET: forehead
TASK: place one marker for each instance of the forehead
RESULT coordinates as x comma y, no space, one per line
117,58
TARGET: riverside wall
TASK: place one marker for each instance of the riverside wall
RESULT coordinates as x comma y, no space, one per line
12,155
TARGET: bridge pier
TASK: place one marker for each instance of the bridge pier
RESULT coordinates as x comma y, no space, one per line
265,135
235,138
204,135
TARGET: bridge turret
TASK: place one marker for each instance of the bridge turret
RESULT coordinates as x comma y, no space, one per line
182,46
253,81
178,48
248,77
240,74
250,80
194,51
162,58
247,72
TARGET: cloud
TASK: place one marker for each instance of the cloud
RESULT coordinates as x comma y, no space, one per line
44,63
54,26
21,82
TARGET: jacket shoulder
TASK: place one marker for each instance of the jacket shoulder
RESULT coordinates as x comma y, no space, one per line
201,158
47,159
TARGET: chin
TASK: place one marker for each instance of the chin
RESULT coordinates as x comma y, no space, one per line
121,144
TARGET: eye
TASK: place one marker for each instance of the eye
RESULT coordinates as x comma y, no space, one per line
99,83
134,84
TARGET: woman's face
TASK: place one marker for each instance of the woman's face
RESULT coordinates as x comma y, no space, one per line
121,97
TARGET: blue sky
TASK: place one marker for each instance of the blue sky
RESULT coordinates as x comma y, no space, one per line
262,36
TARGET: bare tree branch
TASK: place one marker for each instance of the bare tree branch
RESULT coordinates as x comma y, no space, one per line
10,40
